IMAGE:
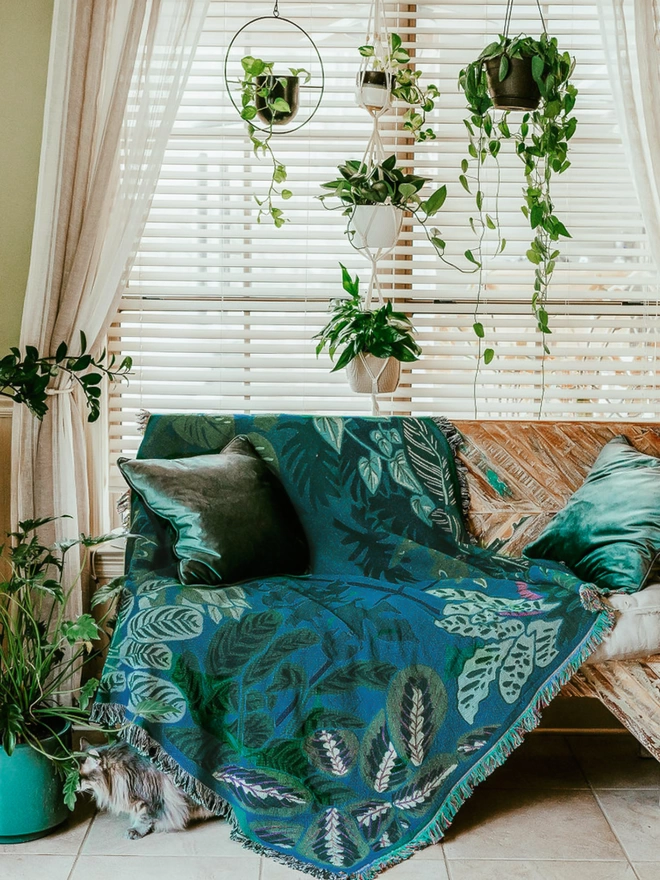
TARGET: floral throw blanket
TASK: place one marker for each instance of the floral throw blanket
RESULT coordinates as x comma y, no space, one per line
339,721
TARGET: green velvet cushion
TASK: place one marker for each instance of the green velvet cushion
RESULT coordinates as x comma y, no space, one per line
609,531
232,517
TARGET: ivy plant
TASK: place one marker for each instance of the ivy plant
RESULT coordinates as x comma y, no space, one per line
381,332
406,86
251,92
25,378
541,140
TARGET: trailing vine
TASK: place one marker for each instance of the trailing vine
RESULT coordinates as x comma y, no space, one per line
259,86
541,142
406,86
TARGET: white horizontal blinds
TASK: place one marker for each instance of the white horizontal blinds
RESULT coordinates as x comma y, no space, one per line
219,312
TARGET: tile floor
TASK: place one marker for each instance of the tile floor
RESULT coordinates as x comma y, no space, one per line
562,808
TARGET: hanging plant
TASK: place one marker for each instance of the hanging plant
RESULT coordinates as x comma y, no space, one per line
390,75
383,184
274,100
371,339
532,75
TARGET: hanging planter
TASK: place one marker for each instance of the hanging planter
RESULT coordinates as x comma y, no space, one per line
368,374
277,98
373,89
532,75
518,90
268,100
374,341
376,227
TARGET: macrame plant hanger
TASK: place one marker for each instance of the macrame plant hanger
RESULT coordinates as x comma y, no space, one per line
379,37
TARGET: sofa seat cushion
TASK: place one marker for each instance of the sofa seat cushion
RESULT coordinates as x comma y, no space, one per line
636,633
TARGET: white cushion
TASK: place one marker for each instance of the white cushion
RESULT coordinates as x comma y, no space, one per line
636,633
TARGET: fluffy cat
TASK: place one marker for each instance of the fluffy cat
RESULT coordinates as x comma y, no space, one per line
122,781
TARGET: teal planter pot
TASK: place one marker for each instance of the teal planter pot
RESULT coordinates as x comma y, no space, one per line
31,803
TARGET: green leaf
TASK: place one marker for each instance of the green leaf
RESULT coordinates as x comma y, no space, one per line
144,687
280,649
478,329
433,204
372,674
237,641
286,194
332,751
416,708
471,258
489,354
504,68
165,623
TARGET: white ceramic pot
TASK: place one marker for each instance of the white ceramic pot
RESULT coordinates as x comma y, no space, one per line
377,227
372,90
368,374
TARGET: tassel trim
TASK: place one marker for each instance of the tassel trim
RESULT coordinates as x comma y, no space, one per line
123,508
142,420
114,714
456,440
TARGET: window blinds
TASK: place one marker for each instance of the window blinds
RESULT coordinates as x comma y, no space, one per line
219,312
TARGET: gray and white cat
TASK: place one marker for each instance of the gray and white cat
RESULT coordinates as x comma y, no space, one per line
122,781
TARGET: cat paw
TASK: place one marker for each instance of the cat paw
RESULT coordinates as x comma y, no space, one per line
135,833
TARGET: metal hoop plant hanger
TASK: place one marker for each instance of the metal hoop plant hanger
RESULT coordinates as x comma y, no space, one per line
275,15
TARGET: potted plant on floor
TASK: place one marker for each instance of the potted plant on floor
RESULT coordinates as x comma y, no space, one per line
374,198
40,647
273,99
41,651
374,341
532,75
388,75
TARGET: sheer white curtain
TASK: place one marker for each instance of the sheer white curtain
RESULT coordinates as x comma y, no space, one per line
631,29
117,72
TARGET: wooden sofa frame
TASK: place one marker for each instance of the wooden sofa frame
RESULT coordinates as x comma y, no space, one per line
520,474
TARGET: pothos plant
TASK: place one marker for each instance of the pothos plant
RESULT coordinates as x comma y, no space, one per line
385,184
541,140
24,378
42,649
259,86
406,86
381,332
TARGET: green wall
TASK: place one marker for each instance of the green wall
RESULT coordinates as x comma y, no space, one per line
24,42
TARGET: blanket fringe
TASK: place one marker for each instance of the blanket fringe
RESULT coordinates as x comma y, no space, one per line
456,440
114,714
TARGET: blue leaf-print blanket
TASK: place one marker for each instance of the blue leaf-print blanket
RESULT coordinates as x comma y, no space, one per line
340,720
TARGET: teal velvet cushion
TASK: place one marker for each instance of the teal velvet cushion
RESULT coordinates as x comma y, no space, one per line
609,531
232,517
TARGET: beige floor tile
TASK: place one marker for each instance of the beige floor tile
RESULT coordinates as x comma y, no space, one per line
163,868
536,825
614,762
107,836
647,870
471,869
33,867
540,762
635,817
63,841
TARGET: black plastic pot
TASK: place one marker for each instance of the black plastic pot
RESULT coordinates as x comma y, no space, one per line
518,90
372,78
289,90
